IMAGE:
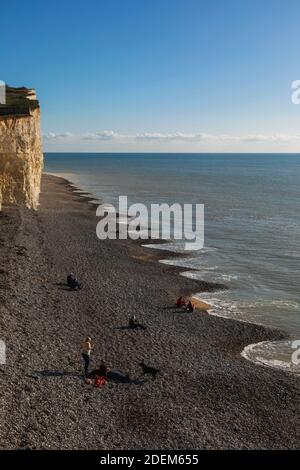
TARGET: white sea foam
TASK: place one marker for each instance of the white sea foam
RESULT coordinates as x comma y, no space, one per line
210,275
274,303
219,308
276,354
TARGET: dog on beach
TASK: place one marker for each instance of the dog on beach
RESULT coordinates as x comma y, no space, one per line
148,370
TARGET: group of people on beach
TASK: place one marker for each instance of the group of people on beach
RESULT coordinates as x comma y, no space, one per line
99,375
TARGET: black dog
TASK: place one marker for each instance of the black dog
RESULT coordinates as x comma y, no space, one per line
149,370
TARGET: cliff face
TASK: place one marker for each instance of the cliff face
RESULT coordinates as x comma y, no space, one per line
21,158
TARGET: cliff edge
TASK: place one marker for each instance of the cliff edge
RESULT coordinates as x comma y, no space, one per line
21,157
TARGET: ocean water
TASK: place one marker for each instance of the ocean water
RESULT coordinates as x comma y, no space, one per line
252,225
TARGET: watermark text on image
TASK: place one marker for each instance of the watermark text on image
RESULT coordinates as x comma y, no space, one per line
295,96
296,354
2,352
159,221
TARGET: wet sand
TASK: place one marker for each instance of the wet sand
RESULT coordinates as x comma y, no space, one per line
206,395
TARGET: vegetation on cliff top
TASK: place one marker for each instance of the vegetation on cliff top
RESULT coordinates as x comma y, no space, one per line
20,101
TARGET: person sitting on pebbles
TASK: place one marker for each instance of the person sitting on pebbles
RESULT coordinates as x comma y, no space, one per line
189,307
102,374
72,282
133,323
99,375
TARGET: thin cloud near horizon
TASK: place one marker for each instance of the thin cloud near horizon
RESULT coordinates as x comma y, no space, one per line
110,136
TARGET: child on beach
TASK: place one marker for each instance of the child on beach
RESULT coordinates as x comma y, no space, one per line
102,374
101,371
99,375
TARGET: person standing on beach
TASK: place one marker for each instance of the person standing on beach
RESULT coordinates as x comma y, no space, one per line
86,354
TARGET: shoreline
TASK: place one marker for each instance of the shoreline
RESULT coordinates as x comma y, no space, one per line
206,395
200,304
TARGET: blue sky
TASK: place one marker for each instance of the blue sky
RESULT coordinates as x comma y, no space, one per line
167,75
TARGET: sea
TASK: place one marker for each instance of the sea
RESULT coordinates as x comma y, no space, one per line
252,228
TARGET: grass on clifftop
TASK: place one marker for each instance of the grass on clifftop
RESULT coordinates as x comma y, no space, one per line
18,101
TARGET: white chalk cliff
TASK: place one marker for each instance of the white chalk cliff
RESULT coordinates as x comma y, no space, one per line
21,157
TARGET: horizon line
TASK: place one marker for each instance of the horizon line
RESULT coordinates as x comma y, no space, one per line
176,153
